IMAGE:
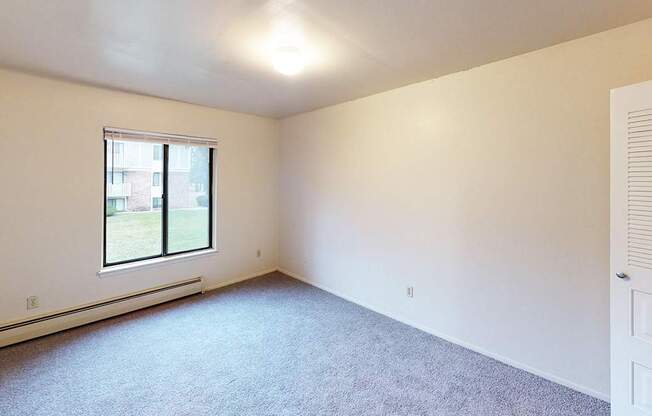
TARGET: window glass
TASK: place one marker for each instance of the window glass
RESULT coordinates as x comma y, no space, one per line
133,230
188,198
115,177
158,151
120,204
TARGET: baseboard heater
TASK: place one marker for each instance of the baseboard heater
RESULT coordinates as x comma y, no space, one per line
17,331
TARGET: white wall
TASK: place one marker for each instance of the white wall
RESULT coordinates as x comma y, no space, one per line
487,190
51,176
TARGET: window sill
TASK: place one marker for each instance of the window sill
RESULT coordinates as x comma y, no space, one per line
145,264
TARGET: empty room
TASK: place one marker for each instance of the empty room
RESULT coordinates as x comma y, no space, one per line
325,207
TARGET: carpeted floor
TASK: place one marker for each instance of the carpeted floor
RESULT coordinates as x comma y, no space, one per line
268,346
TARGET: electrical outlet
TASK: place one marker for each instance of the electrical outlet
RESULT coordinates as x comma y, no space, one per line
33,302
258,253
410,291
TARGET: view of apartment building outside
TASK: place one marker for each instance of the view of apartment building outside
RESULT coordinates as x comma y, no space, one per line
134,176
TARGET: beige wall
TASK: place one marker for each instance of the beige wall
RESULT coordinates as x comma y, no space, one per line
486,190
51,176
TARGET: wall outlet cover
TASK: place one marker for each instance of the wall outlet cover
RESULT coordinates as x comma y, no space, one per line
33,302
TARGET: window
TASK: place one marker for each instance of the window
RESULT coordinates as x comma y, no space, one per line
158,151
188,219
117,204
172,214
115,178
197,187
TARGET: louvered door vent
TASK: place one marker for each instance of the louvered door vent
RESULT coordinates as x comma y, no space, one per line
639,188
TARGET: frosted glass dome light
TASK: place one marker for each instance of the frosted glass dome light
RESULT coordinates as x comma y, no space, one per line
288,60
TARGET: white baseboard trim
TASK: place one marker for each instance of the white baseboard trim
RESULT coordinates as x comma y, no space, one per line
239,279
75,319
56,321
383,311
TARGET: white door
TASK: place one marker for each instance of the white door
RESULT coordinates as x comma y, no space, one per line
631,250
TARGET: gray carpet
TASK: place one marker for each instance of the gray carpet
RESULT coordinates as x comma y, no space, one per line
268,346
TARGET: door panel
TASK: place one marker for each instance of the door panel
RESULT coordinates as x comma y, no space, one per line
642,315
642,382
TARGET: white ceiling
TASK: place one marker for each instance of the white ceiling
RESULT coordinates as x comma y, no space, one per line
216,52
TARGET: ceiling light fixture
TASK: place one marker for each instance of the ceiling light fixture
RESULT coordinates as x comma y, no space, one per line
288,60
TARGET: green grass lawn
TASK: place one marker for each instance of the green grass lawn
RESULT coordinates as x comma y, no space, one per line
132,235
